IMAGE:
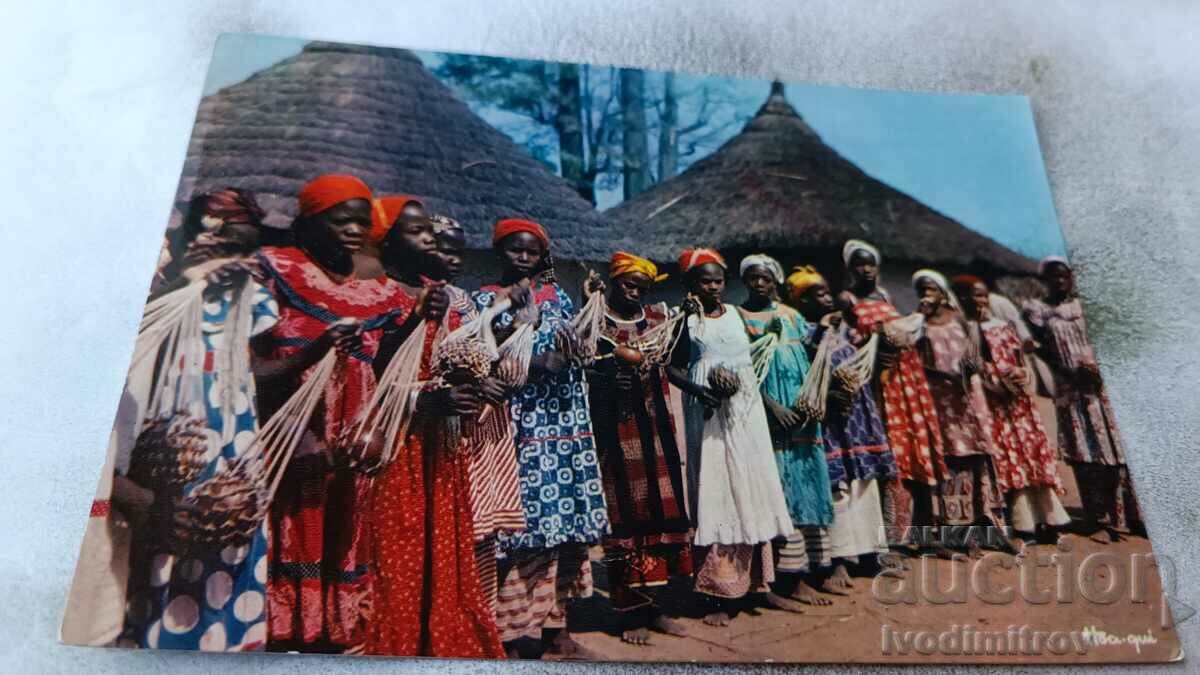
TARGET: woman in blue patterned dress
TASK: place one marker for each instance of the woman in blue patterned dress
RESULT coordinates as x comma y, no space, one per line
561,491
210,600
804,558
859,458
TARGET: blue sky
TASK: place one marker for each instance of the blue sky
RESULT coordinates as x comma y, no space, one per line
975,158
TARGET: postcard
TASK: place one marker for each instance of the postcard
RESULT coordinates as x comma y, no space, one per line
465,356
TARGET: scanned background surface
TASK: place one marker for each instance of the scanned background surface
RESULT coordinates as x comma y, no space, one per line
98,108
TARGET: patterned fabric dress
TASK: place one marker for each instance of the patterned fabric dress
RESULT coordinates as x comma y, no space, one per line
1027,468
561,489
799,452
641,467
427,598
320,581
912,422
737,499
495,480
208,600
1087,428
970,493
859,461
912,427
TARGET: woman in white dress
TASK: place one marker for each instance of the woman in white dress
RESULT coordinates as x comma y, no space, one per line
738,505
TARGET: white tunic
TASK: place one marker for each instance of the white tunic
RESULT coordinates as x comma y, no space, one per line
733,483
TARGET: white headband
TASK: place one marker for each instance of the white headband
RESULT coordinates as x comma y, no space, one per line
762,260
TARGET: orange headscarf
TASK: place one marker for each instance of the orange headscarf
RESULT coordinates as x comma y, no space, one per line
510,226
694,257
384,213
801,279
325,192
626,263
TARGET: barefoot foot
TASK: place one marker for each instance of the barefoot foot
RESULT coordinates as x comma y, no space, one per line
717,619
838,583
665,624
786,604
636,636
565,647
809,596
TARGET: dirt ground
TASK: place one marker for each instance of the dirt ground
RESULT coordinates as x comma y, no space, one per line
857,627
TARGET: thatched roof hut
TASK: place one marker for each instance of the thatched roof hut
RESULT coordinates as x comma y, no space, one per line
777,187
379,114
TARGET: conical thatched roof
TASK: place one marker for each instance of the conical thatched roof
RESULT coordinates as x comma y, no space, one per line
378,114
776,185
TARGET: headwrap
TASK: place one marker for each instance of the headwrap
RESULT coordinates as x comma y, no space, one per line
626,263
445,226
853,245
801,279
966,281
510,226
1049,260
939,281
324,192
694,257
231,205
385,211
762,260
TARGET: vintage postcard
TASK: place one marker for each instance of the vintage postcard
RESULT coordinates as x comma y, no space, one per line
475,357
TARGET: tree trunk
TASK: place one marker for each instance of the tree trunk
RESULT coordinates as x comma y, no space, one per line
635,154
668,131
568,126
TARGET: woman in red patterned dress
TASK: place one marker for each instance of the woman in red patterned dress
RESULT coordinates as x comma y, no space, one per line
1024,458
970,497
319,578
909,413
427,596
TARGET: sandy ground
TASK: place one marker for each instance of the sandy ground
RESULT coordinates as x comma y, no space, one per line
856,627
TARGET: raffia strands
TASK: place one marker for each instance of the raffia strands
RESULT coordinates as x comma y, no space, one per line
657,344
762,350
588,326
170,335
393,403
854,373
905,331
810,401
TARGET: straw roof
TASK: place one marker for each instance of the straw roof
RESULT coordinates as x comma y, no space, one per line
776,185
378,114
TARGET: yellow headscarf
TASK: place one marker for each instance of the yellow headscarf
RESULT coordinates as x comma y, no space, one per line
626,263
801,279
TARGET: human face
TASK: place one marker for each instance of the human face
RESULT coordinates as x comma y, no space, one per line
237,238
628,290
450,248
928,292
819,297
974,299
522,254
760,281
413,237
708,283
1059,279
864,268
338,231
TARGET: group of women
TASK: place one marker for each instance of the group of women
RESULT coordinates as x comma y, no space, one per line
678,446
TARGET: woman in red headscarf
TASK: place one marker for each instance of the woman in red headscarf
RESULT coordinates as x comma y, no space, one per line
561,489
320,580
427,599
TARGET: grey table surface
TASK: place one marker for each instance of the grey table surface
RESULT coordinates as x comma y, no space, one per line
98,106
